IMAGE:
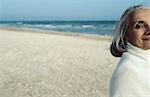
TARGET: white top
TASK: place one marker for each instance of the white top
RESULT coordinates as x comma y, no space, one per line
131,77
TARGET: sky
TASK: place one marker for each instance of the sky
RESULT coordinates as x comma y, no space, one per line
17,10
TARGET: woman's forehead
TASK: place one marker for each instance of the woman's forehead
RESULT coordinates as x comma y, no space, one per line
141,14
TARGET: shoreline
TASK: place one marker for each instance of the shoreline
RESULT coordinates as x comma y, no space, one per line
53,32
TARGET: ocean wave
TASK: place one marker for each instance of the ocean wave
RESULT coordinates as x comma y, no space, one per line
80,26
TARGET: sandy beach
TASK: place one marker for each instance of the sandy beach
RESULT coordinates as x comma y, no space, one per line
54,65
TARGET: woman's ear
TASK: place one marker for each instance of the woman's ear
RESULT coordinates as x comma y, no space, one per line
126,38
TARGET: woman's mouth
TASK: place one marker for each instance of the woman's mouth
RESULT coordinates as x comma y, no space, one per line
146,37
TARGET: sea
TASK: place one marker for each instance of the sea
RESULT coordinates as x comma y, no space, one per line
84,27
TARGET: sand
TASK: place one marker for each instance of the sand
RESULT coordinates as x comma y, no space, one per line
54,65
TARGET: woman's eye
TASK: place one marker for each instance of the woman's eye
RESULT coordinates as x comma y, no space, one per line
139,25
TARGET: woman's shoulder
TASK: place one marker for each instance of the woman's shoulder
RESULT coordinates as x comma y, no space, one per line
123,77
121,80
127,77
126,67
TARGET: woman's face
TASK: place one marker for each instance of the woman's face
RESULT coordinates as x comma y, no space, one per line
139,31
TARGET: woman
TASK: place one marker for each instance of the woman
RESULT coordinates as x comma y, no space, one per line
131,42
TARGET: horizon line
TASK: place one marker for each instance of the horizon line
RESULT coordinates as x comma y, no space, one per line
50,20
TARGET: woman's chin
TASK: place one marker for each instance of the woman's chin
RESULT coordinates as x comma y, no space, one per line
146,44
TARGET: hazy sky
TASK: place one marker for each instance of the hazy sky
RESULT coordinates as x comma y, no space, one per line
65,9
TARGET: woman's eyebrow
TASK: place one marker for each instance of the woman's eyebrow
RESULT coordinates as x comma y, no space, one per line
139,22
135,22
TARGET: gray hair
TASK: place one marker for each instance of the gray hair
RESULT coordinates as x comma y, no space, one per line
119,41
